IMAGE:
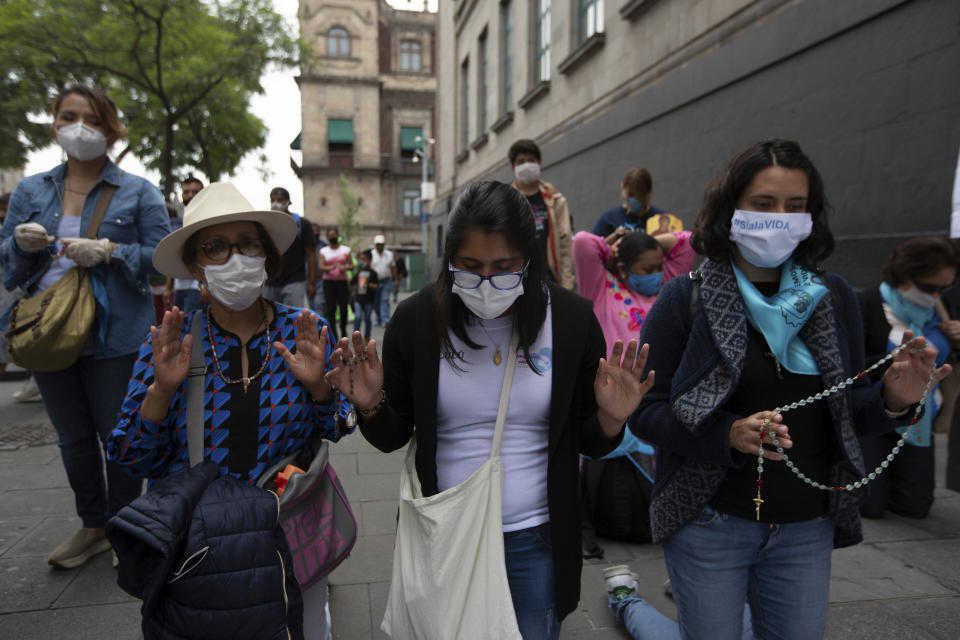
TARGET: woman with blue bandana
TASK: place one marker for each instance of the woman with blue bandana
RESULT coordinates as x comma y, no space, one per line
762,327
918,271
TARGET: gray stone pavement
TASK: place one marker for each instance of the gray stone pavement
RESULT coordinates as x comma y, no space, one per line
902,582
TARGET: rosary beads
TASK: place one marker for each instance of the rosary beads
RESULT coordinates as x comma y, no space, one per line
820,396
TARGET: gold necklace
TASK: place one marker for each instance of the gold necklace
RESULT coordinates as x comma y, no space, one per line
497,359
216,361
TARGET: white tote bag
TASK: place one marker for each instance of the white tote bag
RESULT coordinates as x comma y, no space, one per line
449,574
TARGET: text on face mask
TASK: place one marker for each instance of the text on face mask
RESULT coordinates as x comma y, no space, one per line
761,225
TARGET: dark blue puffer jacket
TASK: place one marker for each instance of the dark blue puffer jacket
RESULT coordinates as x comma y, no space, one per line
208,558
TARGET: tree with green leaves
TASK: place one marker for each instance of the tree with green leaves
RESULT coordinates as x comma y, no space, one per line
347,223
181,72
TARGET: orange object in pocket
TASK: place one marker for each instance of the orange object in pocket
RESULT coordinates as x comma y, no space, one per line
281,479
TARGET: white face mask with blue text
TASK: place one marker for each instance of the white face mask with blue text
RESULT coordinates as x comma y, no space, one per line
766,240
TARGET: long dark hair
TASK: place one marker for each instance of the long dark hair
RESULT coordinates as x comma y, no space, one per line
711,229
492,207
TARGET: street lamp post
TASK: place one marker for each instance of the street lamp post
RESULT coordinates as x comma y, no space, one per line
420,155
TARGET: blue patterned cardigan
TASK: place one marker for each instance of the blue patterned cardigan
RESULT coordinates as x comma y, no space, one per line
287,418
698,367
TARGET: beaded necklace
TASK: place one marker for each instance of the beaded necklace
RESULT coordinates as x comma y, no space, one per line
216,361
820,396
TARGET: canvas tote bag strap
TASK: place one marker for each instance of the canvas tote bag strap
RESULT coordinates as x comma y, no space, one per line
196,376
103,201
505,393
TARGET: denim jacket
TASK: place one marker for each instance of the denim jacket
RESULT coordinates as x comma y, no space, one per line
136,220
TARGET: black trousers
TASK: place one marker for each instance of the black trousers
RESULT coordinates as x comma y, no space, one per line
336,295
906,486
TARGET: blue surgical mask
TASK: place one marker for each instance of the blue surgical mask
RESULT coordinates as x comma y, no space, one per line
648,285
634,205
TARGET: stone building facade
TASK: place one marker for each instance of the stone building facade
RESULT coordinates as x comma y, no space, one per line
369,96
868,87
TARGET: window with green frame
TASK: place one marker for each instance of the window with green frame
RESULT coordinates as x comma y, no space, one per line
409,142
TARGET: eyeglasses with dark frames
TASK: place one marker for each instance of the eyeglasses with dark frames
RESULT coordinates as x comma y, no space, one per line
501,281
219,251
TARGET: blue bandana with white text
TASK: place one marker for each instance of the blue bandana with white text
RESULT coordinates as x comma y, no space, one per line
780,317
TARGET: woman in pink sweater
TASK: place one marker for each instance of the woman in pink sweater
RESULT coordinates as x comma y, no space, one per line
622,275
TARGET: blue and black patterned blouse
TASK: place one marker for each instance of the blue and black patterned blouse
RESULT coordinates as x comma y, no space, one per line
244,432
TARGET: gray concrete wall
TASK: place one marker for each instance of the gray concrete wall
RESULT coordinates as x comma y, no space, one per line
870,88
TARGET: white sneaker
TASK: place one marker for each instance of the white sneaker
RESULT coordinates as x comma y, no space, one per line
78,548
620,582
29,392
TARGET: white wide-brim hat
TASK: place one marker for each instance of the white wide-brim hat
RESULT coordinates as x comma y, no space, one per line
219,203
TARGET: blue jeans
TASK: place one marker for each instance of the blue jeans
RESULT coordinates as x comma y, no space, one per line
644,622
718,561
529,559
382,300
187,300
83,401
364,310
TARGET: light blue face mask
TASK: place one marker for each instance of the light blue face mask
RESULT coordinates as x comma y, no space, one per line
648,285
634,205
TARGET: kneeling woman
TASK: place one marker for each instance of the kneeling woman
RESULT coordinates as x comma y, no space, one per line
265,390
444,357
766,328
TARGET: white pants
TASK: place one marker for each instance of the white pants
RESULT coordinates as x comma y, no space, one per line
316,612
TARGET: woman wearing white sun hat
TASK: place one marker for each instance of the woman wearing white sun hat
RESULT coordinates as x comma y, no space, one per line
265,361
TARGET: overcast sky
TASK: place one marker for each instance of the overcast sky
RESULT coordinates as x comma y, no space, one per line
278,107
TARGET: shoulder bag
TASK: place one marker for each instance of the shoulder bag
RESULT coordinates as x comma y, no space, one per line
449,571
47,332
315,514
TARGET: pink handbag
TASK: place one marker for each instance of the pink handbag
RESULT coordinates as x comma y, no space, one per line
315,515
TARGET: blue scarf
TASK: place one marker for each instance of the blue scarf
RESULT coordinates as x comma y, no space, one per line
912,315
922,321
780,317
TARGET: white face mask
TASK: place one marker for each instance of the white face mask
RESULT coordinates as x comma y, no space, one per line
486,301
767,239
527,172
82,142
278,206
236,284
918,297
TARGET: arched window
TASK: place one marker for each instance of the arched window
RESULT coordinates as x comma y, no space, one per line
338,43
411,58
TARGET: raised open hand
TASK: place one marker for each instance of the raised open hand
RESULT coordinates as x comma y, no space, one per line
619,385
308,362
906,378
357,371
171,354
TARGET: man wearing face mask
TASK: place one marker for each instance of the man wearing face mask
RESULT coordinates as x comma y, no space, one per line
634,209
554,234
297,283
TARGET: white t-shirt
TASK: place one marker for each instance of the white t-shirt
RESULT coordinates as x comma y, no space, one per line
382,263
339,257
69,228
467,403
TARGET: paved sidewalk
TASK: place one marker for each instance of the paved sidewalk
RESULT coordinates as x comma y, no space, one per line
902,582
